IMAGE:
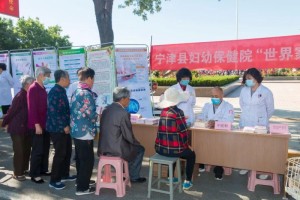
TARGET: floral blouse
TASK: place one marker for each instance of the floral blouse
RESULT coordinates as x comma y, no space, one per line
83,112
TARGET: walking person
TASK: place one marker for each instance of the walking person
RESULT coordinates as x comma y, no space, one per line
16,122
58,126
83,124
37,116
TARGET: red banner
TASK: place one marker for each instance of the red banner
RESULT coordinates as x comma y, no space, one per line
9,7
262,53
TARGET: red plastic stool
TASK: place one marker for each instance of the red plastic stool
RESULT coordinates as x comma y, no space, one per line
227,170
253,181
104,176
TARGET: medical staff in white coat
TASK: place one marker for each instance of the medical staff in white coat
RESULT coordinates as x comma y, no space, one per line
6,83
256,102
184,77
217,110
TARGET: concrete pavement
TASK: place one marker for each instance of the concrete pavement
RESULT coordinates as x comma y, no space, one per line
233,187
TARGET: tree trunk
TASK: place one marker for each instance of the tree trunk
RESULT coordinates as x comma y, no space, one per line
103,11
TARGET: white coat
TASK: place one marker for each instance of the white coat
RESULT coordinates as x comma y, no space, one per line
6,83
188,106
256,109
223,113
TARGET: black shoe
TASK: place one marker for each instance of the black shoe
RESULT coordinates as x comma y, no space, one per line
138,180
218,177
46,173
88,191
39,181
91,183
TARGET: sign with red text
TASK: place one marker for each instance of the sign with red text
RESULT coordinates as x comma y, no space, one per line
222,125
262,53
279,128
9,7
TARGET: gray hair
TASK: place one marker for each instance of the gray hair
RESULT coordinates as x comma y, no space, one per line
42,70
26,79
120,93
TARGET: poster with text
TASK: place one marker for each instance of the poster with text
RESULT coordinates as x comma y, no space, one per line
102,61
133,73
48,59
21,64
71,60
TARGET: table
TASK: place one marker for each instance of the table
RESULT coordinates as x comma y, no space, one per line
260,152
146,135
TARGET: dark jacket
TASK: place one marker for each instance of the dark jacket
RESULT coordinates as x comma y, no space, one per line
116,136
58,110
16,117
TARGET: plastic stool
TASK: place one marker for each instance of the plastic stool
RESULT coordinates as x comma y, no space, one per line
104,177
163,160
227,170
253,181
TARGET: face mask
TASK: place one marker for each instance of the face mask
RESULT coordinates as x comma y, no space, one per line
216,101
46,81
184,82
250,83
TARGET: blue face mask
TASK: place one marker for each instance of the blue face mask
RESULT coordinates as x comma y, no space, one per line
46,81
216,101
184,82
250,83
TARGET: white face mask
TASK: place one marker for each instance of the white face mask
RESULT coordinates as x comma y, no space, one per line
250,82
46,81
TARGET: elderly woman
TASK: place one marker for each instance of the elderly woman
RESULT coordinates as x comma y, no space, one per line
16,120
6,83
37,116
172,135
83,124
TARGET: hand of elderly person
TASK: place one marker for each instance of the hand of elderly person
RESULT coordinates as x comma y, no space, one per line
67,130
6,128
38,129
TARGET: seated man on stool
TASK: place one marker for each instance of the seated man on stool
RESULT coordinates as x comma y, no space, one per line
217,110
116,135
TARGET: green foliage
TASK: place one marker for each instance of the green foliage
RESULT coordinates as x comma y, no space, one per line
143,7
155,74
30,33
203,81
8,38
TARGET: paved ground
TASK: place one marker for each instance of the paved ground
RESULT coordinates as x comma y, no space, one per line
234,187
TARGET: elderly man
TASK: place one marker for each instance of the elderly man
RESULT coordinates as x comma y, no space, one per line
217,110
117,138
37,116
58,125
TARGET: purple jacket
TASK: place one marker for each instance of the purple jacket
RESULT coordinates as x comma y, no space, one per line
37,106
16,117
